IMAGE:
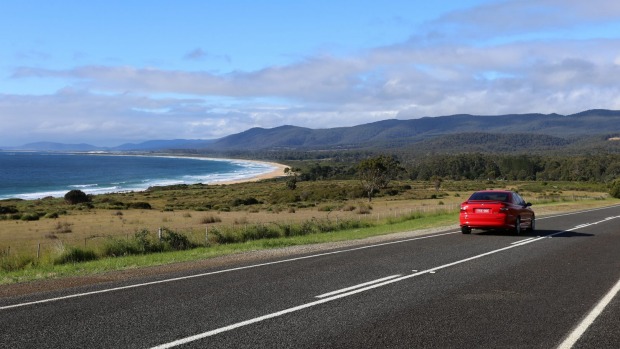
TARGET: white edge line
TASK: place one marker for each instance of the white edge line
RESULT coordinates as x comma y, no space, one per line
48,300
357,286
578,212
574,336
521,241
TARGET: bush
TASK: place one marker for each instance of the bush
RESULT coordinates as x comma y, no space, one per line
76,255
8,209
176,241
75,196
246,202
51,215
13,263
30,217
140,205
210,219
615,189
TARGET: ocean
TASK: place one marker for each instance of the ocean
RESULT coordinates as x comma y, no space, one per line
34,175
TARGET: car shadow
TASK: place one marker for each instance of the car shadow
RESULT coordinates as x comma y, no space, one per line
535,233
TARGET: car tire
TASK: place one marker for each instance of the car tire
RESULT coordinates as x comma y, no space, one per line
466,230
517,229
533,224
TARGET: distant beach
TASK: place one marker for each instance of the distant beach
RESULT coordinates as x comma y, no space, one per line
278,171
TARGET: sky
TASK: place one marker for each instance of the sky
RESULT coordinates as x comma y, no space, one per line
113,72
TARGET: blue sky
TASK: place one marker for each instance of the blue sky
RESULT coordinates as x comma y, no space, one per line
112,72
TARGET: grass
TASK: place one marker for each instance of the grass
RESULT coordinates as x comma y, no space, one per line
75,268
63,240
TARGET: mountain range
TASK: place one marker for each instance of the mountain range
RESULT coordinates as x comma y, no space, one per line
591,129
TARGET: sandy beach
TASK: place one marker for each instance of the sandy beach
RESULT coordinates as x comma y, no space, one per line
277,172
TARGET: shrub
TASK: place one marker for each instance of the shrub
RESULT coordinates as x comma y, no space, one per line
140,205
13,263
51,215
76,255
615,189
176,241
246,202
257,232
210,219
62,228
8,209
75,196
30,217
141,243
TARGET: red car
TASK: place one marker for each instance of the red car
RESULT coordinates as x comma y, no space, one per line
496,209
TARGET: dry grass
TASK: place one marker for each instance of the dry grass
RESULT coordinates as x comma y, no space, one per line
194,210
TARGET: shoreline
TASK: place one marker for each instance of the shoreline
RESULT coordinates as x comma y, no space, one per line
274,170
277,172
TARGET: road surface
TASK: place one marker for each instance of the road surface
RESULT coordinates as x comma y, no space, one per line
554,288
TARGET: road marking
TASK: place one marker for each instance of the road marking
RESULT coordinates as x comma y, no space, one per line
572,213
357,286
77,295
521,241
332,298
574,336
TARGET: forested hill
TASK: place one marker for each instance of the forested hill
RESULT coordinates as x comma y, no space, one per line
590,131
461,132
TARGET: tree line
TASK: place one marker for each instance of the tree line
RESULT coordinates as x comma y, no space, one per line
595,168
602,168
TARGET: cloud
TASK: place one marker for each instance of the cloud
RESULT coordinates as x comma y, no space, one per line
480,60
521,17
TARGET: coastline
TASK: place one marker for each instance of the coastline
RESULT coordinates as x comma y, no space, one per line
247,171
278,171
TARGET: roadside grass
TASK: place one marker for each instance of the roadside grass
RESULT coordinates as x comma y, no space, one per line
46,270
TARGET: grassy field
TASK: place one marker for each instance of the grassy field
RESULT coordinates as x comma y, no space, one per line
33,234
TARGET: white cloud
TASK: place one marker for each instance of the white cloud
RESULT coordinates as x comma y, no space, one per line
480,60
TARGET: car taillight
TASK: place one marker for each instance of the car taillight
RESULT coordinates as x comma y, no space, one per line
504,208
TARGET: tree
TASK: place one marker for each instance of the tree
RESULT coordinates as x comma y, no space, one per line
76,197
436,182
291,182
375,173
615,189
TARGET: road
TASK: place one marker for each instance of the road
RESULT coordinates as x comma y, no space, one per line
554,288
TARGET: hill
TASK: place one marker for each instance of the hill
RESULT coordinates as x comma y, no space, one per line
583,132
463,132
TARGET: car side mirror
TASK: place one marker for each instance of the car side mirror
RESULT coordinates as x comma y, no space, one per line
528,204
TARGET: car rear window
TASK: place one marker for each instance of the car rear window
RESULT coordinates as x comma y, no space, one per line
490,196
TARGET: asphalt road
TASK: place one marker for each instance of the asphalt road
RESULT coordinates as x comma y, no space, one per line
554,288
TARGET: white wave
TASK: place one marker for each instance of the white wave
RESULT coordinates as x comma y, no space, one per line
83,185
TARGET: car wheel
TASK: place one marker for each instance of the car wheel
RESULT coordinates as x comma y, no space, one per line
533,224
518,226
466,230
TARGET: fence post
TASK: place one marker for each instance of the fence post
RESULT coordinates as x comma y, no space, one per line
39,251
159,233
206,235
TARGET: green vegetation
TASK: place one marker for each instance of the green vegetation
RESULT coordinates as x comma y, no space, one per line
75,197
615,189
376,173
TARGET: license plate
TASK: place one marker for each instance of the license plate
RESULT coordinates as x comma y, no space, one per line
483,210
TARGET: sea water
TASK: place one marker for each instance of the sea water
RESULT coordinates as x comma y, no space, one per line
34,175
